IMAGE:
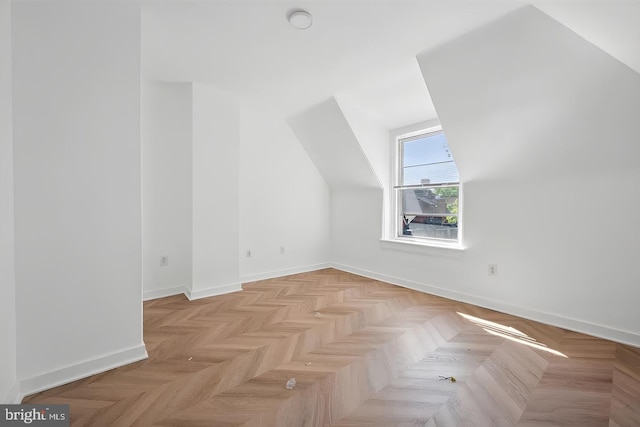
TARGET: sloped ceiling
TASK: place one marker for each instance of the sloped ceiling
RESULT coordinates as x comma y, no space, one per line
613,26
526,97
326,135
361,50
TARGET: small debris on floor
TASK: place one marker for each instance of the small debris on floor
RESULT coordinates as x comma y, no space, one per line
190,358
317,314
452,379
307,364
291,383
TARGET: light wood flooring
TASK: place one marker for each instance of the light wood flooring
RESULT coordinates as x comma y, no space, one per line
363,353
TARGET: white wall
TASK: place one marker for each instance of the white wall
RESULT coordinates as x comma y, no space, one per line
215,159
553,120
8,383
284,201
356,226
76,76
190,190
223,179
544,130
166,187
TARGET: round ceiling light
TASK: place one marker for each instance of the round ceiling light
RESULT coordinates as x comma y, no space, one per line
300,19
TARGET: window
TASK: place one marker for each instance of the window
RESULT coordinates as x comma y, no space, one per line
427,189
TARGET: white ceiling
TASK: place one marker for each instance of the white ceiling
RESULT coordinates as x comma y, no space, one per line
363,51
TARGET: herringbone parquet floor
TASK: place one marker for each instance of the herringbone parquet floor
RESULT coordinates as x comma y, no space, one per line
363,353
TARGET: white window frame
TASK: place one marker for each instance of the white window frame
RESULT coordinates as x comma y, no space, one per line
394,238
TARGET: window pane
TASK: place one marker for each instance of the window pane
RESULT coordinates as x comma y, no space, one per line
428,160
440,201
429,212
428,227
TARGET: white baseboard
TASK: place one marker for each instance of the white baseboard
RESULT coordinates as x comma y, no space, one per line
285,272
192,294
605,332
13,396
80,370
212,291
166,292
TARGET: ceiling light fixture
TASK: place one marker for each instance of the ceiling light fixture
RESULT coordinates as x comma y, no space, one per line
300,19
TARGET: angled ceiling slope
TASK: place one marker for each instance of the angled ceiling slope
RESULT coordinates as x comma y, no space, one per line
327,137
525,96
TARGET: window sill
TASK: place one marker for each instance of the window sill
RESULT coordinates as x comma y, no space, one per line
420,247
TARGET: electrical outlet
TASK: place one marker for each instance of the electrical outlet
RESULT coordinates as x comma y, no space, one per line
164,261
248,254
493,269
281,250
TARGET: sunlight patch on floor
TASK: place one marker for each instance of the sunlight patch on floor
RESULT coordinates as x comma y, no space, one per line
510,333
